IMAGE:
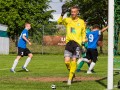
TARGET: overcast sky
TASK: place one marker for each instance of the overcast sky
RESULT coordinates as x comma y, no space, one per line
56,5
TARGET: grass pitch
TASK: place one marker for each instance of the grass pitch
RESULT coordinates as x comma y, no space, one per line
46,70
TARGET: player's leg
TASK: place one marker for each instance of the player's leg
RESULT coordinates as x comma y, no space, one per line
20,54
94,59
88,56
79,64
67,58
72,70
68,63
15,64
81,61
68,55
30,55
75,56
86,60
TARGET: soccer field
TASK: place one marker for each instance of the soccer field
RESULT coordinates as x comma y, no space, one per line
46,70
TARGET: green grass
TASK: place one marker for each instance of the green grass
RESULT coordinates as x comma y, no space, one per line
49,66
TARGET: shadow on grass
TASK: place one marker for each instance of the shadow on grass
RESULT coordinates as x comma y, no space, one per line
84,71
21,71
66,87
117,72
72,82
105,78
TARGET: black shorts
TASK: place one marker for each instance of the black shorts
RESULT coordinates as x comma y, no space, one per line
72,50
92,54
23,51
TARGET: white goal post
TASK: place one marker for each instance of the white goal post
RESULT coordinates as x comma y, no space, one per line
110,44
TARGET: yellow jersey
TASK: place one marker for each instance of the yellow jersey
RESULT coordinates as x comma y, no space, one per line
75,29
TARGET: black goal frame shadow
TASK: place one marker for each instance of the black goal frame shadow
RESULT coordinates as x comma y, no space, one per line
105,78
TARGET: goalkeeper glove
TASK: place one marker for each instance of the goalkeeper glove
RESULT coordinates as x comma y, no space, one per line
83,44
64,10
83,50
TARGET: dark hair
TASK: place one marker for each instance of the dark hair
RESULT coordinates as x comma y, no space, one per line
73,7
95,26
27,22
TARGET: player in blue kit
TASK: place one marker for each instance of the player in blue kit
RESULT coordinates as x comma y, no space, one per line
92,52
22,49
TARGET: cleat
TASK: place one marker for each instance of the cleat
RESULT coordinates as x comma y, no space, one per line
69,82
24,68
12,70
89,72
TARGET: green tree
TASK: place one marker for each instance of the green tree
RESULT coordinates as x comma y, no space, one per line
117,27
95,11
15,13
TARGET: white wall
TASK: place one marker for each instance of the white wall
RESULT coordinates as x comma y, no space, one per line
4,45
4,41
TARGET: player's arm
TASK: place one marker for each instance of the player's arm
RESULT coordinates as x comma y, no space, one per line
86,40
27,40
104,29
83,43
61,20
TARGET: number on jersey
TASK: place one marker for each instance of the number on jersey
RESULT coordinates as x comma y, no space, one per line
91,38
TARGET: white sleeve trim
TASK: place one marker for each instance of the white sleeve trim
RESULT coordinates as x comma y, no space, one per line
24,34
99,32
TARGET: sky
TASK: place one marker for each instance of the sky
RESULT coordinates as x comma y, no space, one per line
56,5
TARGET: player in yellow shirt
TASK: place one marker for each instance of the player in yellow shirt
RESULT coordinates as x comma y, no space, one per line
75,35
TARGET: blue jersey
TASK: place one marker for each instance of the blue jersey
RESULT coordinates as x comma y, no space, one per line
22,42
93,37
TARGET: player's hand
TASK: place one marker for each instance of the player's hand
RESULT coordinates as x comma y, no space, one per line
64,9
30,43
83,44
84,49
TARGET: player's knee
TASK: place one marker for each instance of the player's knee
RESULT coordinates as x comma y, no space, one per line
18,57
30,55
74,59
67,59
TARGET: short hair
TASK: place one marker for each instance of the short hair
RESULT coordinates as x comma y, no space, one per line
75,7
95,26
27,23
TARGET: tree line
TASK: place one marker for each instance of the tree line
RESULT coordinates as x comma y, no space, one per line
15,13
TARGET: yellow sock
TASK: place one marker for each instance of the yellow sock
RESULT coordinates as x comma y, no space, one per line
72,69
68,65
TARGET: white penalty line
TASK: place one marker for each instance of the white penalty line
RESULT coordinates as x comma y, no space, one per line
7,69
